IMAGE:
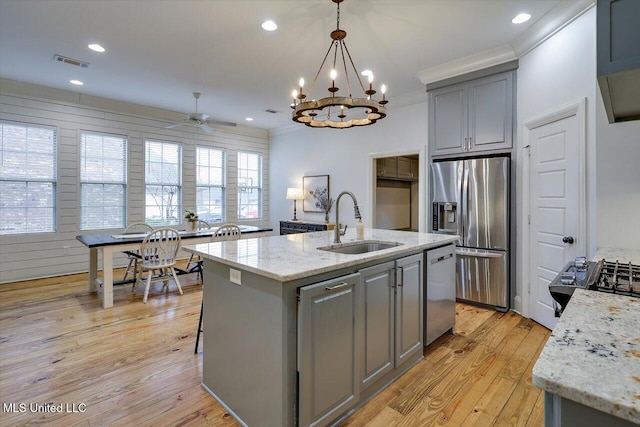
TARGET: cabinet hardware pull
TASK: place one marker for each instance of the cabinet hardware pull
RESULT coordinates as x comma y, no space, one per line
400,277
338,286
442,258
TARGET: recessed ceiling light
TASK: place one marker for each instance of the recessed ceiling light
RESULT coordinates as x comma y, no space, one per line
76,82
96,47
249,119
269,25
519,19
366,73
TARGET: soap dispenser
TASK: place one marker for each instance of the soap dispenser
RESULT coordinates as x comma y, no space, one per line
360,230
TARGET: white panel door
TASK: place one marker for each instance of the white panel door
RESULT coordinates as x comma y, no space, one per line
554,201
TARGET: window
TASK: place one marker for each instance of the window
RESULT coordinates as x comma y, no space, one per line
249,186
210,184
103,181
163,179
27,179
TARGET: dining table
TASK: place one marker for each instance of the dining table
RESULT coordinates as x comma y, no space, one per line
110,244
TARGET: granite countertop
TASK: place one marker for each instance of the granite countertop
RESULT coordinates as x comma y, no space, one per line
622,255
593,355
295,256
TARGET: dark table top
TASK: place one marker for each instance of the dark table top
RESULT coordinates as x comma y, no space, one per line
98,240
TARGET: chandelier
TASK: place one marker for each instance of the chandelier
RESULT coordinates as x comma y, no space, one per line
335,111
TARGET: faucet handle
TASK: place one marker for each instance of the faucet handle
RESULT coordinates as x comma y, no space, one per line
343,231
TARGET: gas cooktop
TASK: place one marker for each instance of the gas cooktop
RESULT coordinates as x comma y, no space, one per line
603,276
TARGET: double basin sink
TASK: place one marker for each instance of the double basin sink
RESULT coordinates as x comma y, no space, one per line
361,247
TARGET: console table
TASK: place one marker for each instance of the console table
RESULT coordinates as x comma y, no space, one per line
294,227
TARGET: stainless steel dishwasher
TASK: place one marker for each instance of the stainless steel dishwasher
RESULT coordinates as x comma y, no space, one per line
440,292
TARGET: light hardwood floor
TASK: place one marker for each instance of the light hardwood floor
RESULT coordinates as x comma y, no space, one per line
134,364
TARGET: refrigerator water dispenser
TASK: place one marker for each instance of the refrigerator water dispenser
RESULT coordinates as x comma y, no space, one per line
444,217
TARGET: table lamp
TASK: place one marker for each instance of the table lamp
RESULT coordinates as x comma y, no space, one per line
294,194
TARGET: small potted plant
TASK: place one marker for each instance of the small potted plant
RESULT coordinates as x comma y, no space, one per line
323,201
192,219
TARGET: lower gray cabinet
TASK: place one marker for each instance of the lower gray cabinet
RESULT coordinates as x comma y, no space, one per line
328,349
391,307
409,319
377,306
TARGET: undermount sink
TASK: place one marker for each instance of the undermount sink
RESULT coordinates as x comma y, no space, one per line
361,247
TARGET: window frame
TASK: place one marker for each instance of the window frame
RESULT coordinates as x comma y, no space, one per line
242,188
55,191
125,184
223,186
179,202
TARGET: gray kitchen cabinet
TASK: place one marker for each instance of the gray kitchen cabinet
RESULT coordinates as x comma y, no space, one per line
472,116
397,168
387,167
407,168
378,326
328,349
392,316
409,310
618,53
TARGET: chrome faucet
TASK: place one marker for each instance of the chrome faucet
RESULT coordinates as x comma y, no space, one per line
355,209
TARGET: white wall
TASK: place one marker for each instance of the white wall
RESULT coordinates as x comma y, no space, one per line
618,183
38,255
560,71
344,156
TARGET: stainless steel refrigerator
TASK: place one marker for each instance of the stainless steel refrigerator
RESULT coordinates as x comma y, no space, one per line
470,198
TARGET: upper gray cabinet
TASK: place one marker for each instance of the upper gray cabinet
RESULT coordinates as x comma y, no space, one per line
397,168
618,42
473,116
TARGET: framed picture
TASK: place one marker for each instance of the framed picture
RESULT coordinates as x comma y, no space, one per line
316,192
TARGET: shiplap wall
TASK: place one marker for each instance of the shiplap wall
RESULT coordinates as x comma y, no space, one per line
30,256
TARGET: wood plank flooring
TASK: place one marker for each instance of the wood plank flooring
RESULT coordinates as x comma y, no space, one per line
134,364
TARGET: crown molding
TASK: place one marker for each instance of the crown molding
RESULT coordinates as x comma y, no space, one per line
468,64
565,12
544,28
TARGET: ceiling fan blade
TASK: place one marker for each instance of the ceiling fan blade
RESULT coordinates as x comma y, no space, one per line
220,123
205,128
175,125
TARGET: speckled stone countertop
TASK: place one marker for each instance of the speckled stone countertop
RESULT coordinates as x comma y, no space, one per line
593,355
622,255
295,256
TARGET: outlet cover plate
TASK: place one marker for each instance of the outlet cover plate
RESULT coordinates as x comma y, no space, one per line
235,276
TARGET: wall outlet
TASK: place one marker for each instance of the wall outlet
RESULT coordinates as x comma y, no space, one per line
65,250
235,276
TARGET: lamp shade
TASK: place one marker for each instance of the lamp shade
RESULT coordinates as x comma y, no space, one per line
294,193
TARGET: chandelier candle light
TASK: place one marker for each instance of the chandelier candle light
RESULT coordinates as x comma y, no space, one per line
339,112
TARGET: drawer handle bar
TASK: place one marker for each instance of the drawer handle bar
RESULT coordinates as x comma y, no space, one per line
479,255
442,258
338,286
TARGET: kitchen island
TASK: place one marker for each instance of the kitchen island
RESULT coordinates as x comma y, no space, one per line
292,336
590,367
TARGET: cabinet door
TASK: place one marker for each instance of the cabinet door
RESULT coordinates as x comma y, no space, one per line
404,168
409,320
328,349
491,113
448,120
389,167
377,309
414,169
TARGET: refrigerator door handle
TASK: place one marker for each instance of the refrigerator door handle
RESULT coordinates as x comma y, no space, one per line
479,254
462,211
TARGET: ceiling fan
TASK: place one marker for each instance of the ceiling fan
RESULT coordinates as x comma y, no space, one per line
199,119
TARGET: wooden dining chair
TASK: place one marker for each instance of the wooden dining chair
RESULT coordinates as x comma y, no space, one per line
158,253
134,255
225,232
193,264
